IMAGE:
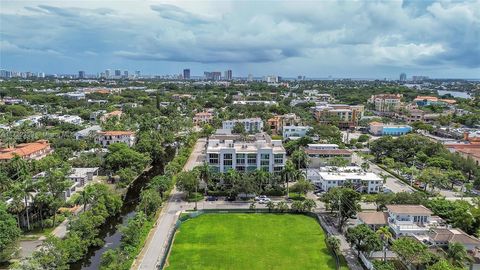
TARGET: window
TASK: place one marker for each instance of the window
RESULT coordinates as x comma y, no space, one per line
278,158
277,169
227,159
240,159
265,156
252,159
213,158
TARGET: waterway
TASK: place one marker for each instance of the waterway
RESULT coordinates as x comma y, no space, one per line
109,231
456,94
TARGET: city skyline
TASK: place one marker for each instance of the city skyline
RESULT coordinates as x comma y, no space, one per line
313,39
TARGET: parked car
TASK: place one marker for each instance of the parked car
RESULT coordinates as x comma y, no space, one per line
265,201
261,197
230,198
212,198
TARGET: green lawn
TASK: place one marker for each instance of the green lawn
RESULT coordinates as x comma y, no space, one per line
250,241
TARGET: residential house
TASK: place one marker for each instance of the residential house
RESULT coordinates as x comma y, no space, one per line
374,220
408,220
203,118
105,138
109,115
84,133
29,151
295,132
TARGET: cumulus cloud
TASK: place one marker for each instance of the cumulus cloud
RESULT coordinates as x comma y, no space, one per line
382,33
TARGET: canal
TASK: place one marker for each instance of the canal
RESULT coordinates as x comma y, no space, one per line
109,231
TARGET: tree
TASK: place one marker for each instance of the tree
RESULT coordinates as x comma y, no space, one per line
457,254
333,243
365,166
455,176
302,186
344,199
282,206
238,128
382,265
271,206
161,183
56,182
309,204
338,162
9,234
385,235
121,156
299,159
287,173
150,201
131,233
442,264
187,181
411,251
363,239
297,206
434,177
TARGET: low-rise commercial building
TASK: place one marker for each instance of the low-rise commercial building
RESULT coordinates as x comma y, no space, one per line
381,129
362,181
258,152
324,154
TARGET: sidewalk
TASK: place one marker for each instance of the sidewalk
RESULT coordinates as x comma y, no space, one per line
349,253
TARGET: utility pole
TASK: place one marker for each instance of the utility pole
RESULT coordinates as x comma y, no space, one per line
339,212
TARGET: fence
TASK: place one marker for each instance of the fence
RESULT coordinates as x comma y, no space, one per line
195,214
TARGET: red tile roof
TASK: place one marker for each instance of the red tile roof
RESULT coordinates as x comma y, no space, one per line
23,150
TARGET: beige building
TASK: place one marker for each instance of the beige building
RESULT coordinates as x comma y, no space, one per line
386,102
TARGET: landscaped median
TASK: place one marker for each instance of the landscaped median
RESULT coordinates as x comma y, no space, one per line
249,240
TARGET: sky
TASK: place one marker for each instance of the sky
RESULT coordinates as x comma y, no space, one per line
317,39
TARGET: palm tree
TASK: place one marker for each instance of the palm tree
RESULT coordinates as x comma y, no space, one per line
23,183
365,166
287,172
457,254
384,234
334,243
87,195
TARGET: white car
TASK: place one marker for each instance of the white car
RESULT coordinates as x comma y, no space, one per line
261,197
265,201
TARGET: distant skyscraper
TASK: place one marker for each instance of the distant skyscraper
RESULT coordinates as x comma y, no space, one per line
403,77
213,75
228,75
137,73
81,74
186,74
250,78
125,74
272,79
107,73
118,73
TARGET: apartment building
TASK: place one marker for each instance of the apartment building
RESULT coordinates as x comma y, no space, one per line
362,181
258,152
29,151
385,103
345,116
430,100
105,138
323,154
250,124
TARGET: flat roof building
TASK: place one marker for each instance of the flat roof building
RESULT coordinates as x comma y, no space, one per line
226,152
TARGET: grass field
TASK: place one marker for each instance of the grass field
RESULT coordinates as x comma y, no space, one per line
250,241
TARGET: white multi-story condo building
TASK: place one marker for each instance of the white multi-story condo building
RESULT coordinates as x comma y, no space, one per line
290,132
260,152
105,138
250,124
361,181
